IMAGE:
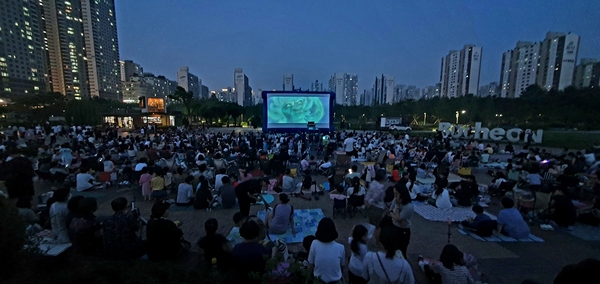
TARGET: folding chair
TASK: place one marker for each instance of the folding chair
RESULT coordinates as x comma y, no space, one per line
356,204
340,206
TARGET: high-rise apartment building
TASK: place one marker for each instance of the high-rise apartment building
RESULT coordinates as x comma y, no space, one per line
204,92
519,68
83,48
130,69
550,64
399,93
242,88
558,59
226,95
147,85
383,90
490,90
367,99
288,82
345,87
67,56
587,74
460,70
189,81
428,92
316,86
22,51
102,48
257,96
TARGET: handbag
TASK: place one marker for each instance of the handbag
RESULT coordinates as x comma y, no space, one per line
383,268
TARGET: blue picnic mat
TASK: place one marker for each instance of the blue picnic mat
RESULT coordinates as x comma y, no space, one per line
305,223
269,198
502,238
586,232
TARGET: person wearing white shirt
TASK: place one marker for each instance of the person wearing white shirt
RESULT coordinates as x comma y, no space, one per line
185,192
349,145
219,178
358,248
480,146
326,257
442,198
304,164
84,181
388,265
325,165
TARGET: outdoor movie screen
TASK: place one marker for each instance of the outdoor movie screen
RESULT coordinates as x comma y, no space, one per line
293,110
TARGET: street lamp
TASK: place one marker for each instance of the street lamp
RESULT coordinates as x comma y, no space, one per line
458,114
424,118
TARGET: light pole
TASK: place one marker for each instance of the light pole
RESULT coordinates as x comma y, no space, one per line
424,118
458,114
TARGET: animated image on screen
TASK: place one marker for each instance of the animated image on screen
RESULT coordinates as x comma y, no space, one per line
292,111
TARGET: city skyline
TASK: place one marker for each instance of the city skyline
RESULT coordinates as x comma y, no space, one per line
276,42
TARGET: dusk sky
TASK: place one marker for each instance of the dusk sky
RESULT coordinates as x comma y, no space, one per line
313,39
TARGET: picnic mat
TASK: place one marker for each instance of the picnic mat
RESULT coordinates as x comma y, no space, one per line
502,238
586,232
181,208
433,213
269,198
53,249
305,223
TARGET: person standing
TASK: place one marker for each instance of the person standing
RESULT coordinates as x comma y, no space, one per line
246,192
401,212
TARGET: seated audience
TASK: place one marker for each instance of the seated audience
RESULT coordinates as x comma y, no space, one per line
483,225
216,247
440,198
120,233
358,248
27,214
204,197
234,236
510,221
249,256
85,229
185,192
281,217
564,213
58,215
451,268
164,238
226,193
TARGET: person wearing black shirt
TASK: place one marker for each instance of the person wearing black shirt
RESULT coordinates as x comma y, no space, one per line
18,174
249,256
164,237
246,192
564,213
215,245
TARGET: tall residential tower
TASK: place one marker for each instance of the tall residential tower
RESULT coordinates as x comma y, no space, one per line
460,70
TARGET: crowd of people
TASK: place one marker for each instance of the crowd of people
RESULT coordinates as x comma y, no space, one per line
207,170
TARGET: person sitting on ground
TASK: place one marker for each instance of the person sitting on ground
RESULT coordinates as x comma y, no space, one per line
451,268
484,229
249,256
164,238
281,217
234,236
422,171
413,188
204,198
440,198
85,230
219,178
26,214
215,246
185,192
288,184
219,162
226,194
119,232
387,265
510,221
564,214
302,256
467,189
85,181
245,175
358,246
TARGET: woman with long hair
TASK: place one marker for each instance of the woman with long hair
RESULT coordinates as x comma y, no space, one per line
358,246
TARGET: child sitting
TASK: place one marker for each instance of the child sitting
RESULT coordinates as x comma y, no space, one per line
216,247
234,236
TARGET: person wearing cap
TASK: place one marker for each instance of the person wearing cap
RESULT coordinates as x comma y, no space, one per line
281,217
246,191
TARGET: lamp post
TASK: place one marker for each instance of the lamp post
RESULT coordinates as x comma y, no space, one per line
424,118
458,114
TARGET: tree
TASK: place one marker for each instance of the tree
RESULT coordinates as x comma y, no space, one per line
186,98
235,111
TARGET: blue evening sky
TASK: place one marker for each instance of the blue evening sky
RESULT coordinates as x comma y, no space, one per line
315,38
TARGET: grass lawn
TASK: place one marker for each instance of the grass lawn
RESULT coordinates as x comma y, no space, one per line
575,140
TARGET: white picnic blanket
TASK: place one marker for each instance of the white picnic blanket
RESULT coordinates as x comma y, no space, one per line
433,213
